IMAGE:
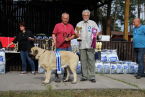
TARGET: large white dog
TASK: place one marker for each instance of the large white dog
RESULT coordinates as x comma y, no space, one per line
47,60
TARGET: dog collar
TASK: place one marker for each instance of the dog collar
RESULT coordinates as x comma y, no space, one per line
42,53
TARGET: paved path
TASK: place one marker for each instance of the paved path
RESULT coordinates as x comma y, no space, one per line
13,81
129,78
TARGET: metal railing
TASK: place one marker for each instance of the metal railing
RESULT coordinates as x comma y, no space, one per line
124,52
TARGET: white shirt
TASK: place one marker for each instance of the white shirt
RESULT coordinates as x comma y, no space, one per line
86,33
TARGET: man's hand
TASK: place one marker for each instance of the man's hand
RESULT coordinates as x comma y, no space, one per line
54,44
67,39
77,35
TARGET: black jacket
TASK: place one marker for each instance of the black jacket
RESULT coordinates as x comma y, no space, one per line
30,44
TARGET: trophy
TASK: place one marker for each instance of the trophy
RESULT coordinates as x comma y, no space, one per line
75,50
100,46
78,29
53,48
16,47
46,45
36,44
97,47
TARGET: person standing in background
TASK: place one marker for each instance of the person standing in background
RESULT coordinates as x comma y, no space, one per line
25,41
139,46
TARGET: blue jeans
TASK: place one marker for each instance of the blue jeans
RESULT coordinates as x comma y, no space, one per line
139,53
24,55
66,49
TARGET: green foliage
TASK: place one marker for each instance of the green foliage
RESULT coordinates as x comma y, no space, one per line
118,10
142,21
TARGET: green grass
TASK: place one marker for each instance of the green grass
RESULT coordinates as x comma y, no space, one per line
120,80
75,93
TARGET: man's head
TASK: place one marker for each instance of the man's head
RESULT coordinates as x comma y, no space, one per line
86,15
65,18
136,22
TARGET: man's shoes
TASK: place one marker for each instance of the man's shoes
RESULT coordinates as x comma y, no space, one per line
83,79
57,80
135,75
138,77
93,80
64,76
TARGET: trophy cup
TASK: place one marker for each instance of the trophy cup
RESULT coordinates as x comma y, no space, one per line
78,30
100,46
46,45
97,47
52,44
53,48
75,50
16,47
36,44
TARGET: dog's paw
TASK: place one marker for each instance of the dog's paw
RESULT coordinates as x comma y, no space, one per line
65,80
69,80
57,80
45,82
73,82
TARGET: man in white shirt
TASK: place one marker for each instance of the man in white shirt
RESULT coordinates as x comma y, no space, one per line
86,51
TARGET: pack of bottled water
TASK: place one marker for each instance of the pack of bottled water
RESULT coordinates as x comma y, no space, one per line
104,55
136,68
125,67
2,61
109,55
78,68
99,66
118,67
113,68
131,66
106,68
112,55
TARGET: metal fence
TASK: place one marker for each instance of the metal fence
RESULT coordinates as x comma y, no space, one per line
124,52
39,15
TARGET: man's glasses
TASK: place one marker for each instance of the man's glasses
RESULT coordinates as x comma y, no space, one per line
86,15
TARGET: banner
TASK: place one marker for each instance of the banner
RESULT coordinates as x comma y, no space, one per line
94,31
58,62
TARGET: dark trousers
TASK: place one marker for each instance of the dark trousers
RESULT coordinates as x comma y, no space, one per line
139,53
24,56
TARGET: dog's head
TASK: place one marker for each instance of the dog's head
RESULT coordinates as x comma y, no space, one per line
34,51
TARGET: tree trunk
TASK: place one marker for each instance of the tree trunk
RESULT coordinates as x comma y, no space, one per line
108,18
144,11
103,10
100,18
126,17
130,28
138,8
115,17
